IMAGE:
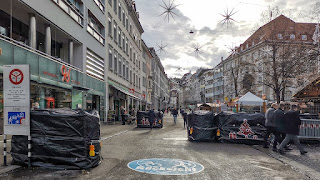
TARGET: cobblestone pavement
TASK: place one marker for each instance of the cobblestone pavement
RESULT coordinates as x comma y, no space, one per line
308,162
124,144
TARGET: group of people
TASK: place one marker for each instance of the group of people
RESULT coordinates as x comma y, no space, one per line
123,114
284,126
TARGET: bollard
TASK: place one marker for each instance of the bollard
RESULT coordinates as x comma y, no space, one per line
29,152
5,150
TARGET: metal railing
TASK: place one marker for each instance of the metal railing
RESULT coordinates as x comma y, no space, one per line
28,48
70,10
310,129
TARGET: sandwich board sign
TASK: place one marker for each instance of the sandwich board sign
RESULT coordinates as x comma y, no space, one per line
16,99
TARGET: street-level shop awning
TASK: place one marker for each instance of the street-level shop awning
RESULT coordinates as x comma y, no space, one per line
124,91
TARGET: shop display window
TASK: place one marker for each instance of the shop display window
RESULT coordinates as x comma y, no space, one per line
1,104
48,97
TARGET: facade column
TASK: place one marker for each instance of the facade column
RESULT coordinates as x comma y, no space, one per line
42,104
32,31
47,43
128,102
70,45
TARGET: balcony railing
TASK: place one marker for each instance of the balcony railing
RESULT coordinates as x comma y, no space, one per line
45,68
95,34
100,5
69,9
25,46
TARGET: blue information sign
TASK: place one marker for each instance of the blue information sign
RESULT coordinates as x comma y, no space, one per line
164,166
16,117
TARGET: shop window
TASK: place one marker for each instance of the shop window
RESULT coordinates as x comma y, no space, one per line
49,97
1,103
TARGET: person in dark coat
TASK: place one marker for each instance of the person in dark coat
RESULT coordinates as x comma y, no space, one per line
271,127
123,115
151,117
292,121
185,118
280,123
279,118
174,114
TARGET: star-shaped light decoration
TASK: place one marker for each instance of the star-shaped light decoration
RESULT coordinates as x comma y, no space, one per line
168,9
161,47
179,68
197,49
227,18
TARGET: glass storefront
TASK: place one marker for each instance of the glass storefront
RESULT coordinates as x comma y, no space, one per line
1,104
49,97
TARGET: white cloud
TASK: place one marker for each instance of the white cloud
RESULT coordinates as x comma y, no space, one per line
203,17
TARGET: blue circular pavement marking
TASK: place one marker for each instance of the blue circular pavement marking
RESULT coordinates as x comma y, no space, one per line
164,166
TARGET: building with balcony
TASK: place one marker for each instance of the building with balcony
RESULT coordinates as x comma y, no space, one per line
146,77
63,42
124,52
214,84
160,83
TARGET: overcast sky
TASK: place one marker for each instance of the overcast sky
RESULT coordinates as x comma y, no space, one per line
203,17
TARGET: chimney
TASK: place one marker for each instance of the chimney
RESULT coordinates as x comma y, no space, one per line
221,58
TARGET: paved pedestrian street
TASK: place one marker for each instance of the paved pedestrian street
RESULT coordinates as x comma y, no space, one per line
196,160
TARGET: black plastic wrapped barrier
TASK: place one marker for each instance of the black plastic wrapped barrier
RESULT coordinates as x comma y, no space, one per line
241,127
202,126
60,140
142,119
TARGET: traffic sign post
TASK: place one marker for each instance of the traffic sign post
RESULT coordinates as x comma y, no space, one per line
16,93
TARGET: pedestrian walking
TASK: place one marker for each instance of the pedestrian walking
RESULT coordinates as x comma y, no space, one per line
185,118
292,121
279,119
174,114
271,127
123,115
151,118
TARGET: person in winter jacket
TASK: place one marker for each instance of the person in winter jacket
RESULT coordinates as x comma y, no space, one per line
123,115
279,118
292,121
151,117
175,114
271,127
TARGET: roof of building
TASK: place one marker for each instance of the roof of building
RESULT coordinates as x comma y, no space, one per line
279,29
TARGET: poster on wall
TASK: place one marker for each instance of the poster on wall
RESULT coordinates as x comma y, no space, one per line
16,99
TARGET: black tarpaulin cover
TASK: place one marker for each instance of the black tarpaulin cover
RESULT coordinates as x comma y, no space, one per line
142,119
202,126
60,140
241,127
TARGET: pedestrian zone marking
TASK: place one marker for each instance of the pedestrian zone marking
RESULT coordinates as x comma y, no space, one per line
165,166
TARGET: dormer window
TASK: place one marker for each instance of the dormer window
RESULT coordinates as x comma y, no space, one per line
304,37
292,36
280,36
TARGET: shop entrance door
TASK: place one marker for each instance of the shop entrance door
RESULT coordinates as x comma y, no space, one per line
117,108
95,102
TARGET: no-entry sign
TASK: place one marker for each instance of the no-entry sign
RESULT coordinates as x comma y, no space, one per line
16,88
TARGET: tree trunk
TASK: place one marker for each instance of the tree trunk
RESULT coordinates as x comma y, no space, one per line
236,89
283,93
277,92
